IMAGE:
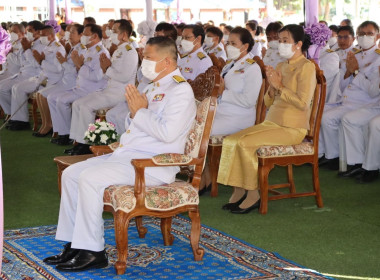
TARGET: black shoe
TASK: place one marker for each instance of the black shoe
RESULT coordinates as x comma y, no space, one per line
204,190
81,149
322,161
368,176
352,171
230,206
18,125
62,140
333,164
85,260
66,255
37,134
238,210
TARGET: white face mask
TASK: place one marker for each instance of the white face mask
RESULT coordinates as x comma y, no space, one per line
273,44
67,35
225,38
29,36
109,32
332,41
114,39
208,42
233,52
187,46
178,41
44,40
148,69
85,40
285,50
14,37
366,42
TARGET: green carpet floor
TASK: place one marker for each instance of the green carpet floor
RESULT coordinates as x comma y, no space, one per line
343,238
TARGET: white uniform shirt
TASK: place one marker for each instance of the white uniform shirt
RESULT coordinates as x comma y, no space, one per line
194,64
29,64
70,72
13,62
124,66
329,63
342,62
107,43
90,75
51,68
218,50
162,127
364,88
272,57
256,49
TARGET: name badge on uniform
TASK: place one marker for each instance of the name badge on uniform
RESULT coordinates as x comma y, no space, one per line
239,71
188,70
158,97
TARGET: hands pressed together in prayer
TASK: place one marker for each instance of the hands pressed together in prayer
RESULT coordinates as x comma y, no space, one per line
38,56
136,101
61,59
77,60
105,62
351,64
274,78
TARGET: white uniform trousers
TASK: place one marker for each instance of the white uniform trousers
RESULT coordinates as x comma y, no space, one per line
117,115
331,121
6,75
83,184
372,155
321,142
6,91
52,102
355,130
20,95
84,109
62,109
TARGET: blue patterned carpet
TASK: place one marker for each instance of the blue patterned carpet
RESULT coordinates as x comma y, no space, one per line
225,256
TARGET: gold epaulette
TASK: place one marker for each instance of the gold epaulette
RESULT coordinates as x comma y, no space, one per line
131,40
228,61
183,55
377,51
329,50
98,48
178,79
355,50
128,47
250,61
219,49
82,46
57,44
201,55
262,41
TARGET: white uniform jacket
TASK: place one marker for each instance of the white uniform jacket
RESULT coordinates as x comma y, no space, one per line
193,64
329,63
218,50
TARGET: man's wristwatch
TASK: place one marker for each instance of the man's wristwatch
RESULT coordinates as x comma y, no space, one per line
356,72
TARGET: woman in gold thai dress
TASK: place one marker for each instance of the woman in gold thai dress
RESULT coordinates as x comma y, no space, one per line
288,99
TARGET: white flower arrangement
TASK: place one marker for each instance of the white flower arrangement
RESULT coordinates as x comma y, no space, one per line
100,133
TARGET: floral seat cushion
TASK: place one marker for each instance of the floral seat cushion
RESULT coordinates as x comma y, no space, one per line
171,158
217,140
159,198
305,148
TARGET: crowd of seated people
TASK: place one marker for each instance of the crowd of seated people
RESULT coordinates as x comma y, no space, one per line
142,83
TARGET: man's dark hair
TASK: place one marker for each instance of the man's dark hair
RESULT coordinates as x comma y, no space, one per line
78,27
95,29
63,26
125,26
273,27
334,28
50,28
168,29
347,28
90,20
216,31
245,36
197,31
20,27
36,25
228,27
252,25
166,43
368,22
347,21
24,23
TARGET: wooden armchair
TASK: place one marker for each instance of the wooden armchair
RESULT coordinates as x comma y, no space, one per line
216,141
218,62
306,152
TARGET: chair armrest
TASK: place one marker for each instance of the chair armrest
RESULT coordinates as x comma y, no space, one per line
104,149
166,160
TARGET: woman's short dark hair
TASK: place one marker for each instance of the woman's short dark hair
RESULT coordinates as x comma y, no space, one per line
245,36
334,28
252,25
168,29
347,21
228,27
216,31
298,34
273,27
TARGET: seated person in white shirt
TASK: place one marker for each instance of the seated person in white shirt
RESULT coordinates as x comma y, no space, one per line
213,43
252,27
333,41
153,129
272,56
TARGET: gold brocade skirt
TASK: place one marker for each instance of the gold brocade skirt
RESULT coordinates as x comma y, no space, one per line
239,164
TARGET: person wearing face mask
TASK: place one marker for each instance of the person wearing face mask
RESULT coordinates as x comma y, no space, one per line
29,66
288,98
194,60
333,41
117,114
152,129
257,47
51,73
213,43
90,79
226,32
117,75
13,60
179,28
272,56
360,104
66,83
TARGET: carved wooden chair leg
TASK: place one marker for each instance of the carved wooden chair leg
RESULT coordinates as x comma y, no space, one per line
214,160
166,226
140,228
264,186
195,234
292,187
121,221
316,187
